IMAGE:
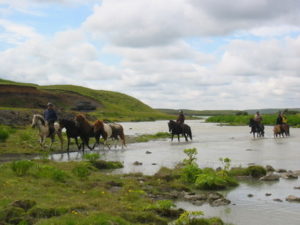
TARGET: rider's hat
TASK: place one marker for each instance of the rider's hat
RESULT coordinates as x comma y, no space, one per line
49,104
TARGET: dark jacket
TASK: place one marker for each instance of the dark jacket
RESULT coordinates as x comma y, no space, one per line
50,115
180,118
279,120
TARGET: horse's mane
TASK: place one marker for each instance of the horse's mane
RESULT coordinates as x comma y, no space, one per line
98,125
40,118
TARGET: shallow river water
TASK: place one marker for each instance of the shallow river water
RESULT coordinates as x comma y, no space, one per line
212,142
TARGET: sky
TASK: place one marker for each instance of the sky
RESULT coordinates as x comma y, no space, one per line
179,54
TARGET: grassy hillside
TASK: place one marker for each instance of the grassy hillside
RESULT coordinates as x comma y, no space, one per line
109,105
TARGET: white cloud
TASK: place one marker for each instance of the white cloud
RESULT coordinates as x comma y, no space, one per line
157,63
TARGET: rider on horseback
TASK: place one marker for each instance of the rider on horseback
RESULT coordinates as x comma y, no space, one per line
180,118
258,118
50,116
281,119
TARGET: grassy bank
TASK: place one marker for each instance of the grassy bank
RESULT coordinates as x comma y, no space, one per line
45,192
293,120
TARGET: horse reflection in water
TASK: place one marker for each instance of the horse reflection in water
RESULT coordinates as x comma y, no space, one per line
177,129
257,128
39,122
113,131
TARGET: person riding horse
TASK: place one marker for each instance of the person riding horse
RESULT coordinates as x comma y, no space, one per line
281,119
180,118
50,116
258,118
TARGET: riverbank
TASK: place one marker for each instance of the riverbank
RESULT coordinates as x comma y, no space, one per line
238,120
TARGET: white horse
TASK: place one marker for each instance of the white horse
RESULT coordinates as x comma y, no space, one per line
113,131
39,122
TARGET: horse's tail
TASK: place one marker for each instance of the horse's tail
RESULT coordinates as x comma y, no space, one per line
190,133
122,135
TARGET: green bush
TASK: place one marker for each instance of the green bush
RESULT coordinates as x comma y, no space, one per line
21,167
190,172
256,171
4,134
81,171
214,181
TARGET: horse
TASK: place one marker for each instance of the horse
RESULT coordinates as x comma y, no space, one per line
72,131
39,122
281,130
176,128
113,131
86,130
256,128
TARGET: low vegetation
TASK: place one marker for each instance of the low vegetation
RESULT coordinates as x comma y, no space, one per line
45,192
149,137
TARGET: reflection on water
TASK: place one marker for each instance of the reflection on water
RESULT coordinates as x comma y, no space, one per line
213,142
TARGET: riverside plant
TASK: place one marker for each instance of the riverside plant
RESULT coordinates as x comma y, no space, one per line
21,167
206,179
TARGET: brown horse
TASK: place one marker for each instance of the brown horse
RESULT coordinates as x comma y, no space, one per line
113,131
86,130
281,130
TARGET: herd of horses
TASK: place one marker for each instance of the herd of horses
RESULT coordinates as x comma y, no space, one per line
81,128
279,130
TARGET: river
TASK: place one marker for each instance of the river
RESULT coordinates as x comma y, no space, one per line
212,142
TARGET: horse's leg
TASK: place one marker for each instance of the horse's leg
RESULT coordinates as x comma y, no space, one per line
172,136
178,137
76,141
59,134
185,136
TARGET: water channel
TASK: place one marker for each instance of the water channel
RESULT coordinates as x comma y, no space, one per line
212,142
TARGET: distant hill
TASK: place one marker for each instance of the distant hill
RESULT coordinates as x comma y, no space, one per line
102,104
189,112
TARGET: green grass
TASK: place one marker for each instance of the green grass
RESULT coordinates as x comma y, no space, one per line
101,198
293,120
149,137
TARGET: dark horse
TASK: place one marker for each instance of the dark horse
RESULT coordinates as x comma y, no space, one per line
178,129
86,130
72,130
256,128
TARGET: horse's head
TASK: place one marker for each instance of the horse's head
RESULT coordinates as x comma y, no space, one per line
36,119
171,125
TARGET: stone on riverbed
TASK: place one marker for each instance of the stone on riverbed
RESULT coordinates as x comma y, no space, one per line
289,175
270,177
292,198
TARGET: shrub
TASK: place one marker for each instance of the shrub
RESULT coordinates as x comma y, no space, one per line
190,172
101,164
256,171
192,218
81,171
21,167
214,181
4,133
191,154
